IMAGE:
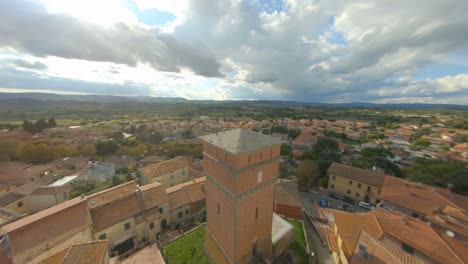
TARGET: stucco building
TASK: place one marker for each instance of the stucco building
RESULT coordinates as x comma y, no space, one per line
168,173
355,183
36,237
187,202
241,167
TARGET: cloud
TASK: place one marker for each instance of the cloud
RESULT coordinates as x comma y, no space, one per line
307,50
27,27
29,65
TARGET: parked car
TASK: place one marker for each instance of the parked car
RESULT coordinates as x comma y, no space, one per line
348,200
365,205
347,208
332,195
323,203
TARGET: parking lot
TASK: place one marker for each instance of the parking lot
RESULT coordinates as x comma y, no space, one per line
309,197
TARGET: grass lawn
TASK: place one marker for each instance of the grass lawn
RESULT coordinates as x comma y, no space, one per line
188,249
298,247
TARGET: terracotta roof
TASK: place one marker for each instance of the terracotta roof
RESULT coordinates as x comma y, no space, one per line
111,194
416,234
185,193
241,140
84,253
178,198
45,190
366,176
115,211
153,194
417,197
162,168
34,230
455,212
195,189
350,227
70,161
148,255
456,244
286,194
380,253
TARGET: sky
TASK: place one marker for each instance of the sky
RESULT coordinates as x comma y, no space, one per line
329,51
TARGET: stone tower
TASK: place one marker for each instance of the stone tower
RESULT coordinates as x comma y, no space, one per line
241,167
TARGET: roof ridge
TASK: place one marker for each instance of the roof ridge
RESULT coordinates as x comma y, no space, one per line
112,188
66,255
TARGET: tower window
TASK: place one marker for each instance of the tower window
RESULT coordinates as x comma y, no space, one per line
219,209
256,213
249,159
261,155
260,177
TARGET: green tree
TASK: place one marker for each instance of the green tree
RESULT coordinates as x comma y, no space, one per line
186,133
439,173
51,122
36,153
285,149
308,172
419,144
8,148
377,152
104,148
155,137
294,133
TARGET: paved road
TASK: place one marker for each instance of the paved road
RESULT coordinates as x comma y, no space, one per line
307,199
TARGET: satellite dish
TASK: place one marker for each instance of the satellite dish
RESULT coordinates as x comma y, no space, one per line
450,233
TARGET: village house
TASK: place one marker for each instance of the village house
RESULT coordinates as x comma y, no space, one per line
381,236
303,143
355,183
47,196
95,252
17,172
418,200
187,202
19,200
168,173
36,237
127,215
71,163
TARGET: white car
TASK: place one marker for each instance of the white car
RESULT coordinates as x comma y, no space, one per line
365,205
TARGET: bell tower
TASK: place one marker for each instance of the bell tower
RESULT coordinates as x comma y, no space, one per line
241,167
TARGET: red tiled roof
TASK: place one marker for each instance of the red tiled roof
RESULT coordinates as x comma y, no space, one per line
417,197
165,167
111,194
375,178
35,230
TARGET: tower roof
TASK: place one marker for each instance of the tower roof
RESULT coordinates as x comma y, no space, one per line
240,140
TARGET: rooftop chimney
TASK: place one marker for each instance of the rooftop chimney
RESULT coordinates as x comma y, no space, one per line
82,196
